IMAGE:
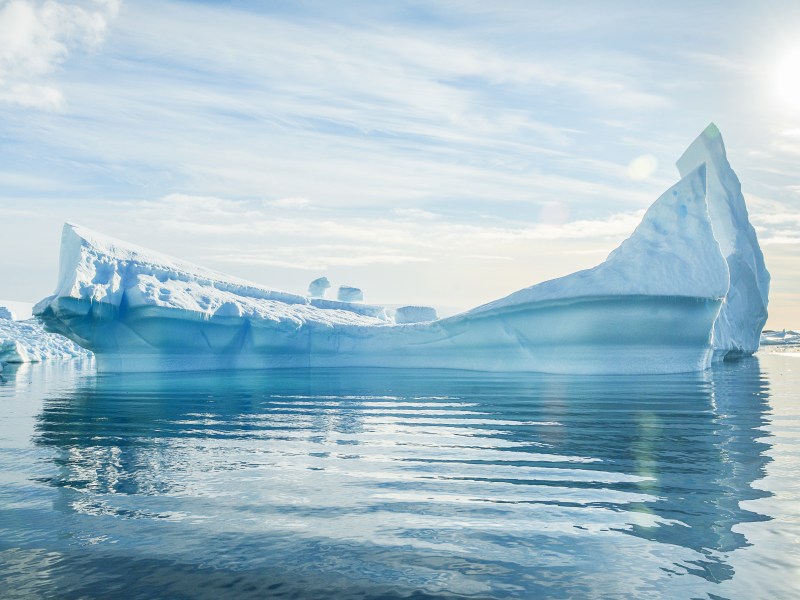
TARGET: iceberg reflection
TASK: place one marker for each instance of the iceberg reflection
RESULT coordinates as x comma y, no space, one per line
446,481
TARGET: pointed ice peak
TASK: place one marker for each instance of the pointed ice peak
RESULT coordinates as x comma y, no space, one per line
711,138
725,201
672,252
744,313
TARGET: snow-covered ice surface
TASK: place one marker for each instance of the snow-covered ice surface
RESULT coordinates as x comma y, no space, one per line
651,307
27,341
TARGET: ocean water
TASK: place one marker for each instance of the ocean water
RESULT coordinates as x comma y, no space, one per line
400,484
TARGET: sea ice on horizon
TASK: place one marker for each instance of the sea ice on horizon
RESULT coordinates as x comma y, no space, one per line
653,306
785,337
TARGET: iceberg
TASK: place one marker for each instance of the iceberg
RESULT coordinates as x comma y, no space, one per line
318,287
26,341
349,293
653,306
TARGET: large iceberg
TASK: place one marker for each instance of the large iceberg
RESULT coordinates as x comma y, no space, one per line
688,287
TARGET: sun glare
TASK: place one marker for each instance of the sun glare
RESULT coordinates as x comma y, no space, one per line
786,83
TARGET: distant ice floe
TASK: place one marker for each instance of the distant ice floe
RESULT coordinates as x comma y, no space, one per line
688,287
785,337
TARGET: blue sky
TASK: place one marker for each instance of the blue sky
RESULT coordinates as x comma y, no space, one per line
434,152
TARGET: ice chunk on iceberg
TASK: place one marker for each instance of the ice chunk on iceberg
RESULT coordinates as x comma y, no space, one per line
318,287
744,312
6,313
415,314
649,308
26,341
350,294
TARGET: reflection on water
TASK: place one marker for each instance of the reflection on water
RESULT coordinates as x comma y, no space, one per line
379,483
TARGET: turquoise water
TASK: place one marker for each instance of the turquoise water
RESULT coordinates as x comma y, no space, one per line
400,484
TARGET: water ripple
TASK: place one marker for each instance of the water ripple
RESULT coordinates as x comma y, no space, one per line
390,484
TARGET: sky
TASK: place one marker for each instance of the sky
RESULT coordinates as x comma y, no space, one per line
440,152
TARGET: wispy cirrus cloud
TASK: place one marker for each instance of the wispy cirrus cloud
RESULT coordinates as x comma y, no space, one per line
257,233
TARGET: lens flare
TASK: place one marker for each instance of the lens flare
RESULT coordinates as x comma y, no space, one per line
642,167
786,82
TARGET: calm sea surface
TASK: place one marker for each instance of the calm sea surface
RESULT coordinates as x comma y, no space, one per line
400,484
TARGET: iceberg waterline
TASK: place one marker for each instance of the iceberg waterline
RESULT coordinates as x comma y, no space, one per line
688,287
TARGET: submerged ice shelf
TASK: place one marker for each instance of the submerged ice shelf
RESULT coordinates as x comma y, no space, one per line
688,287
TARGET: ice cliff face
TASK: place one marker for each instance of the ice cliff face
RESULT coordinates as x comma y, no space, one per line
651,307
744,312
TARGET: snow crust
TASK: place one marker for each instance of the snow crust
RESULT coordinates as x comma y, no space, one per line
27,341
744,312
650,307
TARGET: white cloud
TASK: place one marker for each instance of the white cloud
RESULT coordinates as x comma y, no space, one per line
37,36
415,213
31,95
786,238
788,218
291,202
253,233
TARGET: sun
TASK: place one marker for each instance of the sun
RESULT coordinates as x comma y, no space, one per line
786,81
